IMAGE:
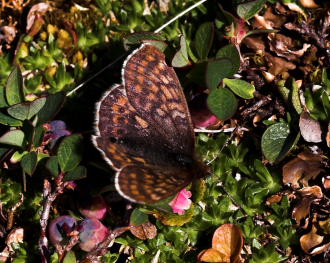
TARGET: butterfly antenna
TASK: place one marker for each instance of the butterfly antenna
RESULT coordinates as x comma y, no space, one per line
126,53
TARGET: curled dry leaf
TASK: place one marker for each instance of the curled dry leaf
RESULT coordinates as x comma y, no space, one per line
144,231
326,182
327,138
308,3
284,46
310,240
301,169
274,199
212,255
305,197
35,13
278,65
269,20
228,240
310,129
325,225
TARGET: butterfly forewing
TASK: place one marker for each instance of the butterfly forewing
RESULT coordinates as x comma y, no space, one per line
154,90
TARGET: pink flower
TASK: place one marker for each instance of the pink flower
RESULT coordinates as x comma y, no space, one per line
181,202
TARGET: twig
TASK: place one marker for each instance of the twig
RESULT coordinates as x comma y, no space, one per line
10,220
49,198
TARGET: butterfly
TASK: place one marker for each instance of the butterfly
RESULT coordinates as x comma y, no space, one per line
144,130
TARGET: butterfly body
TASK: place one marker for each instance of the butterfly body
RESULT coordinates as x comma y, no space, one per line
144,130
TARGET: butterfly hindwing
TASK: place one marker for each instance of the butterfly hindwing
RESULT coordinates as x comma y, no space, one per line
150,184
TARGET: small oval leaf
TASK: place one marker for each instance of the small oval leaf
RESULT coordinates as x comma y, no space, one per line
52,165
181,58
275,142
29,162
14,87
51,107
222,103
13,137
240,87
137,217
249,9
204,39
9,121
217,70
69,152
231,52
77,173
26,110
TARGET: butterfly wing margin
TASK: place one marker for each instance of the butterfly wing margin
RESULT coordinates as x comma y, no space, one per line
116,119
150,184
154,90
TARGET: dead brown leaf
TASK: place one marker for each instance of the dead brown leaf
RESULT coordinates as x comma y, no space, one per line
326,182
310,240
228,240
305,197
325,225
301,169
212,255
310,129
278,65
144,231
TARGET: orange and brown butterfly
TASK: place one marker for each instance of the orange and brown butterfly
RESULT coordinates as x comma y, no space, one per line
144,130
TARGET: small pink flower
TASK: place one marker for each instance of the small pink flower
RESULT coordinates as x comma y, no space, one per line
181,202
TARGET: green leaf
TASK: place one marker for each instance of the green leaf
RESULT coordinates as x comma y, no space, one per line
9,121
52,165
267,254
222,103
240,87
204,39
53,104
69,152
231,52
275,142
3,101
249,9
13,137
29,163
77,173
295,98
161,45
217,70
137,217
70,257
139,37
325,81
181,58
26,110
14,87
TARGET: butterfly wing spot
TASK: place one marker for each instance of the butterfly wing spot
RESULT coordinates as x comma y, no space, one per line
166,92
138,88
160,112
141,122
164,79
